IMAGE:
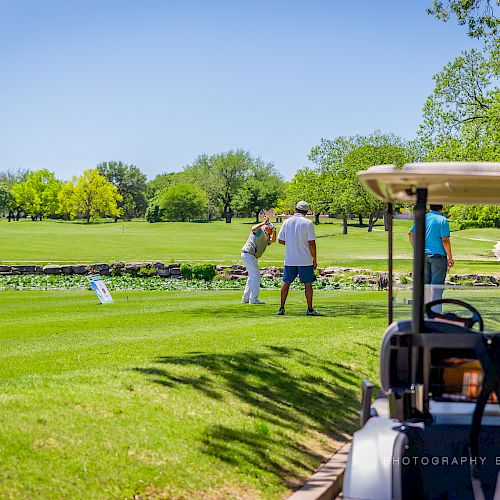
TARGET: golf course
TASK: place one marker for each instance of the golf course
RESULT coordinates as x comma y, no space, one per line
189,393
59,242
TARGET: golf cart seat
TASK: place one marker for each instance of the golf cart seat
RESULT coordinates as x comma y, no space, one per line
395,362
419,454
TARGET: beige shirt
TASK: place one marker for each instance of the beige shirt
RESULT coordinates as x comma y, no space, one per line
256,243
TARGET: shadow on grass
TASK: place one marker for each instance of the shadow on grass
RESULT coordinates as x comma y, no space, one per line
329,310
290,396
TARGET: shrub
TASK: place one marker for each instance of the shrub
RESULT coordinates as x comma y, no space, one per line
115,271
470,224
153,212
204,272
146,272
183,202
186,271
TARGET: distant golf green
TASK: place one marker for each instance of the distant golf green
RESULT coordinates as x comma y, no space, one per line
218,242
177,395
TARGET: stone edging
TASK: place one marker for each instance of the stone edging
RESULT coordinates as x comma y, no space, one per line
349,275
328,481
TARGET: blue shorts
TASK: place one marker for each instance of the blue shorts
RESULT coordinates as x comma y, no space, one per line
305,273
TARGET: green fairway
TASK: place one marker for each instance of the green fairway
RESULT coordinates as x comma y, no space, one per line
185,394
63,242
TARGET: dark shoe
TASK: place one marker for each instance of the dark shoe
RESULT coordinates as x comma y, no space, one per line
281,312
312,312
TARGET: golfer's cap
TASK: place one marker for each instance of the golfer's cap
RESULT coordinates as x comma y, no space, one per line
303,206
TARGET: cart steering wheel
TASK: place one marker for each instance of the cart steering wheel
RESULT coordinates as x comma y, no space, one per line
467,322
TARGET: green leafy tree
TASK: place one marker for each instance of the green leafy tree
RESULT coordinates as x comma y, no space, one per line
363,202
480,16
313,186
7,200
330,158
467,216
202,175
94,197
11,177
223,175
260,190
38,194
162,181
182,202
131,185
464,98
462,123
67,201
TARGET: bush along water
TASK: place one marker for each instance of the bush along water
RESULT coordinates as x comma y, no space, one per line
159,276
125,283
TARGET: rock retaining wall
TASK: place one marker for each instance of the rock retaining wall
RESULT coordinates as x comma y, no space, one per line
236,271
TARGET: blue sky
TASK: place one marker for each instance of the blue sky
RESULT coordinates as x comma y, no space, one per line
156,83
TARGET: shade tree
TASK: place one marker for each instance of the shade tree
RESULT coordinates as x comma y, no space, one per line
261,189
313,186
90,196
347,196
131,185
482,17
224,174
182,202
38,194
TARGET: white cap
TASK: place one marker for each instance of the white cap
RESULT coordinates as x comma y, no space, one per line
303,206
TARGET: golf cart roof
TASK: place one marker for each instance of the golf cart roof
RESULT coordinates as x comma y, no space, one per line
446,182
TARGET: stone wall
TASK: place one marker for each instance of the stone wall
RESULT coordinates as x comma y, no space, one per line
237,271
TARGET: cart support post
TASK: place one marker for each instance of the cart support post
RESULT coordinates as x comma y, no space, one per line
390,212
419,261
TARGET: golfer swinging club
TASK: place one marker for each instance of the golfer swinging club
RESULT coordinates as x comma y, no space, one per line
261,236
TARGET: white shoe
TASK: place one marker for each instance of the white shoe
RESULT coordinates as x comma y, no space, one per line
244,301
257,302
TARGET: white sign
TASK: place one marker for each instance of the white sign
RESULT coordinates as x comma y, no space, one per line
100,288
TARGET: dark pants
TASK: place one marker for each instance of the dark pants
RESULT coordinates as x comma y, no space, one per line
435,270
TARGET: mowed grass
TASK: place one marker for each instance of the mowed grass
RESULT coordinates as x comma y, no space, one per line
218,242
179,395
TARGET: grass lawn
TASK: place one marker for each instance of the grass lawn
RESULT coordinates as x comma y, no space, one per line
185,394
63,242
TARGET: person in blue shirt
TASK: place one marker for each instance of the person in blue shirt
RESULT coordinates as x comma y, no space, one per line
438,256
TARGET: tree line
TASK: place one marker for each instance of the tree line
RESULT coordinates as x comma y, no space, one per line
461,122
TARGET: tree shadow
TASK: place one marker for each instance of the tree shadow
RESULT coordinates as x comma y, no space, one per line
326,310
287,392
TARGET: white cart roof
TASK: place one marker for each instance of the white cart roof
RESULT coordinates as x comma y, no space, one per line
446,182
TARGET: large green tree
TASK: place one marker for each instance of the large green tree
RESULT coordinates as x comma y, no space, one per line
92,196
131,185
7,200
11,177
480,16
223,174
261,189
465,98
38,194
330,157
182,202
363,202
315,187
162,181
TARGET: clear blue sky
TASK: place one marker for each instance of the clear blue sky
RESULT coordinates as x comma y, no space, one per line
157,82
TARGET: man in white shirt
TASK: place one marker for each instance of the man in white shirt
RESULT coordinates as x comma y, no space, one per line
297,234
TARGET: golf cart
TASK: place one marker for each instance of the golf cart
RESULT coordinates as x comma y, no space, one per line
434,432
